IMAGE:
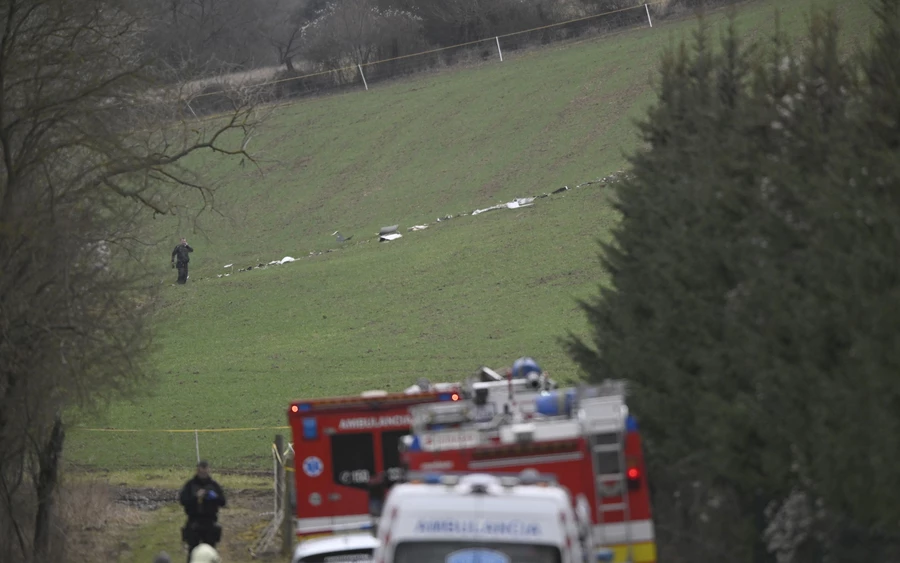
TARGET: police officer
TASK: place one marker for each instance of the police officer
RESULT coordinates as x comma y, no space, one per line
201,497
182,252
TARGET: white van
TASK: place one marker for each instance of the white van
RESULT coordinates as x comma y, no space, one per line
480,518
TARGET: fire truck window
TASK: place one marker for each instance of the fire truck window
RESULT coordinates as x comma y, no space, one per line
607,461
353,459
607,464
390,451
604,439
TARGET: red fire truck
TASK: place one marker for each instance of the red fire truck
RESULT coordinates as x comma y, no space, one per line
340,444
491,423
585,437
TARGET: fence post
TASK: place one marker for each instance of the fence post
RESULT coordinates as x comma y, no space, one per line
648,15
287,523
361,73
281,496
197,444
276,472
498,48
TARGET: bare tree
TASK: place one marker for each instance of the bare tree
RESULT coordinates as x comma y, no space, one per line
90,143
284,25
356,32
213,36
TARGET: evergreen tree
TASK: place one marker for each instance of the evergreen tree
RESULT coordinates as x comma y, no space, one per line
754,302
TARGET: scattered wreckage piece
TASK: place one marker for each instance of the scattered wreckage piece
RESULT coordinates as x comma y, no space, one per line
387,234
339,237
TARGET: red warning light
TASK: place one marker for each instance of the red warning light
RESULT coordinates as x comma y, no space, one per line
454,397
633,473
294,408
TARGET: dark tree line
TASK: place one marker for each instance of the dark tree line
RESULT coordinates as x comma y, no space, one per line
217,36
754,302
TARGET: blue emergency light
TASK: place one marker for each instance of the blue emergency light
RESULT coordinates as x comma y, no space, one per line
631,424
414,445
310,429
432,479
304,407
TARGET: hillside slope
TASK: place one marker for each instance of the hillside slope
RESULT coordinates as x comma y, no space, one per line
471,291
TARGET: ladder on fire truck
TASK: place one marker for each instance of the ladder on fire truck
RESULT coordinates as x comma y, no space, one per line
607,413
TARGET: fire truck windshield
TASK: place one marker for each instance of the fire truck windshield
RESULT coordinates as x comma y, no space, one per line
474,552
353,457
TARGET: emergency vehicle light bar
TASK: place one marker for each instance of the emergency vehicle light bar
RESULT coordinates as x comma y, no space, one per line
391,398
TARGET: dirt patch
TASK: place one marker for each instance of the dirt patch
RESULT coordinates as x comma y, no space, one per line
105,522
96,526
144,498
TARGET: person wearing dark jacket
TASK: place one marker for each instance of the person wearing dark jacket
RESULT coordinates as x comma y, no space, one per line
180,258
201,498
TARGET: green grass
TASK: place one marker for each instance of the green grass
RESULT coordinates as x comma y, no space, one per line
439,303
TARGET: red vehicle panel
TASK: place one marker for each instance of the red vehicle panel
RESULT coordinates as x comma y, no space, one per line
339,445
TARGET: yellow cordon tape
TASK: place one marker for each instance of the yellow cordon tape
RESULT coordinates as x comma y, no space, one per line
182,430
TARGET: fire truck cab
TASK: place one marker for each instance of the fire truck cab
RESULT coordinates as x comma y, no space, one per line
451,518
342,444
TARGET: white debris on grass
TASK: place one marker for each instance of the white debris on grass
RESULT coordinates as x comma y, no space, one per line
387,234
514,204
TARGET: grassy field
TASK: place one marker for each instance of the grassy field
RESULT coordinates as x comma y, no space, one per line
471,291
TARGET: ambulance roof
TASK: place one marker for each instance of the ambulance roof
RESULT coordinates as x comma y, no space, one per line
478,506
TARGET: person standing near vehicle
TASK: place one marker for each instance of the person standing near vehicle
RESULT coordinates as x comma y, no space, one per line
201,498
180,259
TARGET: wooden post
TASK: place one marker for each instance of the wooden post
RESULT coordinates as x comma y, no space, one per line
284,502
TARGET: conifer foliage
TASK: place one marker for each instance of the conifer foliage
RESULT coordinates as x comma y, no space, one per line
754,296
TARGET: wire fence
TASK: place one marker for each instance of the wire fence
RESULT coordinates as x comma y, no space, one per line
219,97
282,510
244,448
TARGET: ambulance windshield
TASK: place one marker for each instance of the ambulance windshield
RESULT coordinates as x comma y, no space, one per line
474,552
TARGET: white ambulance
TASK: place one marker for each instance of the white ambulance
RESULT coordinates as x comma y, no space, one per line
481,518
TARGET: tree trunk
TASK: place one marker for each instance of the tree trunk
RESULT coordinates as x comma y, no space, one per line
45,487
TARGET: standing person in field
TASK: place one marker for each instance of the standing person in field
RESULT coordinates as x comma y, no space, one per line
201,498
180,257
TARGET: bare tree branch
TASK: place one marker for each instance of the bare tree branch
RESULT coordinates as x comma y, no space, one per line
92,143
